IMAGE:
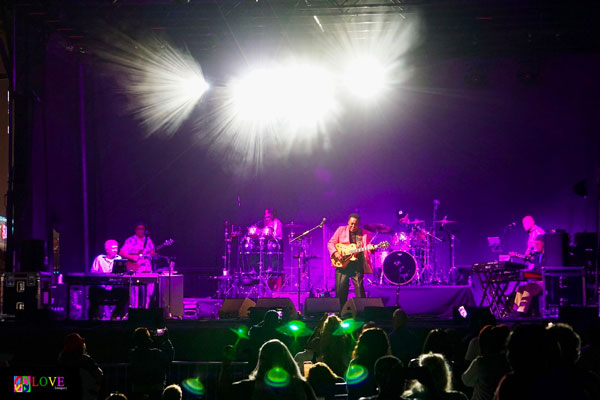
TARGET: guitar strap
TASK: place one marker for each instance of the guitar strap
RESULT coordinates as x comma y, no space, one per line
145,242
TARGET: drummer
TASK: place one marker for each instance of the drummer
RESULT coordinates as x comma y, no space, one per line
402,222
271,226
403,230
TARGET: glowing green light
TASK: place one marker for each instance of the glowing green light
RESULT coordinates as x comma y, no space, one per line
348,326
277,378
241,332
193,386
295,329
356,375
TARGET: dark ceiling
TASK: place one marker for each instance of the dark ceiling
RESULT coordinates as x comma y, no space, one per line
449,27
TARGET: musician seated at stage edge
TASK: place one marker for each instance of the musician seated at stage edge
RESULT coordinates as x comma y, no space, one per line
138,249
355,270
98,295
527,293
272,225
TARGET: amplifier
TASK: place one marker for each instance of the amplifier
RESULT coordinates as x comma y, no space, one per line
563,287
24,292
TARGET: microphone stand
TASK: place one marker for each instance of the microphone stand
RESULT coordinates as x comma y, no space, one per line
301,256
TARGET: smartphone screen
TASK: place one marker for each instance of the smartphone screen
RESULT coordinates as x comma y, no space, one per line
462,311
306,367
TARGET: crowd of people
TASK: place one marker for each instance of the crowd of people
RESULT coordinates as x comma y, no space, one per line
502,363
149,361
528,361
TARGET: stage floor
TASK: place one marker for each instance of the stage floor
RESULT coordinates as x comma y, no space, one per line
433,301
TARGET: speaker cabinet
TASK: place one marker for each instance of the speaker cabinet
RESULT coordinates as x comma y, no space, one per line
236,308
171,295
283,304
32,255
556,249
316,306
356,306
563,287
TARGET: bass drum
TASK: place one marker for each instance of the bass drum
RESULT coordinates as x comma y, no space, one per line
400,268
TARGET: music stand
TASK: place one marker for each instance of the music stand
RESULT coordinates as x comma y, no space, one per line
119,266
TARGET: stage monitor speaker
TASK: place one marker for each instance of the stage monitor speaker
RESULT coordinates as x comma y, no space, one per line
316,306
236,308
356,306
283,304
151,318
32,255
556,249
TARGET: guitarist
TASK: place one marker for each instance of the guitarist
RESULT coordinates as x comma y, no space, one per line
137,248
355,270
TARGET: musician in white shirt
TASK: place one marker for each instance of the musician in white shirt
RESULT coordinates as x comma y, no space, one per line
103,264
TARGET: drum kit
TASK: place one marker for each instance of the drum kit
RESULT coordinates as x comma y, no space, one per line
410,259
253,260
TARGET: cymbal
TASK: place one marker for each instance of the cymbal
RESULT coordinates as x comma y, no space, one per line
293,225
378,228
446,221
415,221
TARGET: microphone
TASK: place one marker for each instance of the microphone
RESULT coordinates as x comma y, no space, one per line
436,202
322,222
511,225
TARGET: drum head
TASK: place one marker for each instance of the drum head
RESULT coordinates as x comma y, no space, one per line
399,268
249,245
272,246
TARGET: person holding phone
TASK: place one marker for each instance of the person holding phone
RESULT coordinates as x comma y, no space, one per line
150,359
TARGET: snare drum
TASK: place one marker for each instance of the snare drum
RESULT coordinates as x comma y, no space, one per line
400,268
401,241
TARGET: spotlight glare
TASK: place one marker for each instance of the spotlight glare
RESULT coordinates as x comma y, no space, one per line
365,77
162,83
297,94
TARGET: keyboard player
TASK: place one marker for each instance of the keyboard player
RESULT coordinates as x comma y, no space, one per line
527,293
100,295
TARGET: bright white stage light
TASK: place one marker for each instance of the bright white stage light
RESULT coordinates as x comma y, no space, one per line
298,94
273,112
365,77
163,84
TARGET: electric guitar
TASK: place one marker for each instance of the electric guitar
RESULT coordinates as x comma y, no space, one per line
142,264
349,251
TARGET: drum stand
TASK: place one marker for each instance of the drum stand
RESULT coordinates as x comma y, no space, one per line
301,257
429,270
262,289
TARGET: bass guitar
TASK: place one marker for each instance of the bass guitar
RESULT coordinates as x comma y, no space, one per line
349,252
142,263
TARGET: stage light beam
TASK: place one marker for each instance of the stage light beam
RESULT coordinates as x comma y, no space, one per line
365,77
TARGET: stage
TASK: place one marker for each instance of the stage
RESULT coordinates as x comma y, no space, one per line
431,301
